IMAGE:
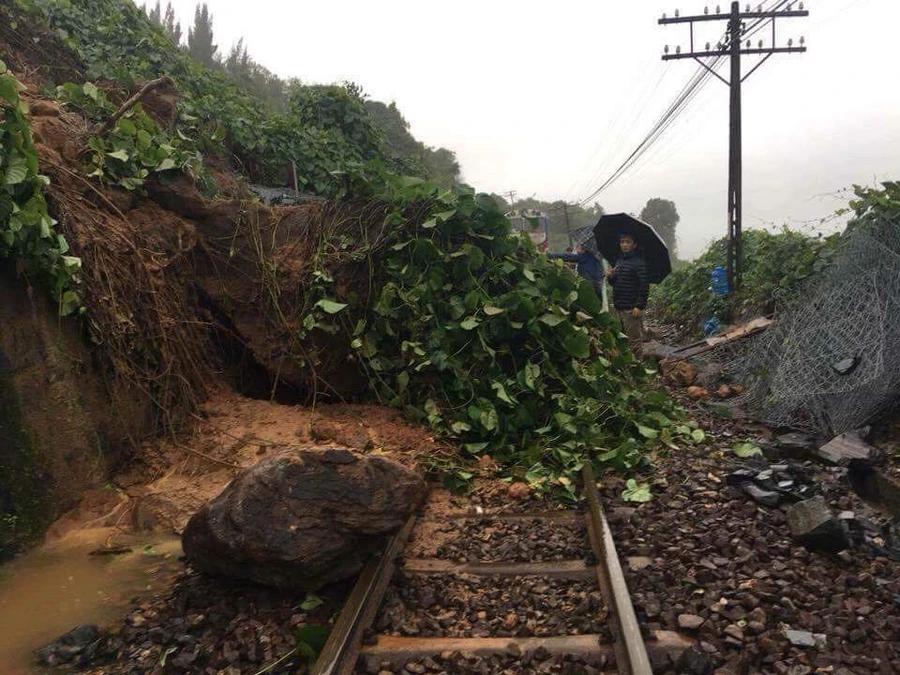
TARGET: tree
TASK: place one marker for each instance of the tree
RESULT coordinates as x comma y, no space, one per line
663,216
166,21
155,14
200,37
439,164
170,25
442,166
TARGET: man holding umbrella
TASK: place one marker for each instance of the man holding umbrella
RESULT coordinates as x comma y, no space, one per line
630,289
639,257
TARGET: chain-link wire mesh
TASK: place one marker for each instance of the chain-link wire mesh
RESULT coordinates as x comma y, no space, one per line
831,362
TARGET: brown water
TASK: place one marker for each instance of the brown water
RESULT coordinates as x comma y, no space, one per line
58,586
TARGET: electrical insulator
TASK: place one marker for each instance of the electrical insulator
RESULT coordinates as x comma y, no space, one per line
706,10
678,49
676,13
707,46
760,44
666,49
664,16
801,6
791,42
718,9
802,40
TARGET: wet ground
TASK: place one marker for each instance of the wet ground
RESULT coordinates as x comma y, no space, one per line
54,588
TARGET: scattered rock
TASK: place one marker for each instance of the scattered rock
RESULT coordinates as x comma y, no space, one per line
689,621
680,373
796,444
724,391
519,491
695,662
697,393
812,523
303,519
70,647
800,638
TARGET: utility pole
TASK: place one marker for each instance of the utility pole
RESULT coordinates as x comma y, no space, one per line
512,196
568,229
737,29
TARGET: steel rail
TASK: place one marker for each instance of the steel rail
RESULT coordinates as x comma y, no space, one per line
338,656
631,652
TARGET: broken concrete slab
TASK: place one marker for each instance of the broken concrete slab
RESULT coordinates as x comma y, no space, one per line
812,523
849,445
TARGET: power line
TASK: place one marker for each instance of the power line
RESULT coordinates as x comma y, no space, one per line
688,92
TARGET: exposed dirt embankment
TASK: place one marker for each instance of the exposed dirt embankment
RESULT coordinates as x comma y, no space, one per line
62,427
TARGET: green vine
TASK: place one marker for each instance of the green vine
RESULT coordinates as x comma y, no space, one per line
135,147
27,232
473,333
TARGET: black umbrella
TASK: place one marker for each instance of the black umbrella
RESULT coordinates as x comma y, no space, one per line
650,246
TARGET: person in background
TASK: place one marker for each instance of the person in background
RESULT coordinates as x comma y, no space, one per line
587,265
630,289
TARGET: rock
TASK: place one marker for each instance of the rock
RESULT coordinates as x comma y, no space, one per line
302,519
795,444
735,632
518,491
42,108
697,393
724,391
69,646
487,465
695,662
764,497
680,373
813,524
689,621
800,638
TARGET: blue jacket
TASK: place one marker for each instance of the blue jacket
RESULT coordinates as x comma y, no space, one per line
586,263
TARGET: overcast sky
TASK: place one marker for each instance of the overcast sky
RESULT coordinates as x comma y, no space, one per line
549,98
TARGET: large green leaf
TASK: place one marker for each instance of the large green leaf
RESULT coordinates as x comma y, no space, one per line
330,306
16,171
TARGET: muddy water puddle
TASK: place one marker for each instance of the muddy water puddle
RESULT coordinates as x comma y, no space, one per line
50,590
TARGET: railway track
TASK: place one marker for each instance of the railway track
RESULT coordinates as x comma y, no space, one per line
510,593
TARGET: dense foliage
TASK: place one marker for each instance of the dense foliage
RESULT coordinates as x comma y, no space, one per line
118,42
775,266
27,232
476,334
872,204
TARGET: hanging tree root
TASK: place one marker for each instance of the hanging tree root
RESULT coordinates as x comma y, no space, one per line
143,91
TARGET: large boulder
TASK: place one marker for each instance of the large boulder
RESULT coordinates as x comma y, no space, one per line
302,519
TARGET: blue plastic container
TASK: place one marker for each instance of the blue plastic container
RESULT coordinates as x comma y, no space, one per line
720,281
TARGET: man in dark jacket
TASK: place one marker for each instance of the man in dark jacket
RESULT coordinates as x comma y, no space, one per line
630,289
586,264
